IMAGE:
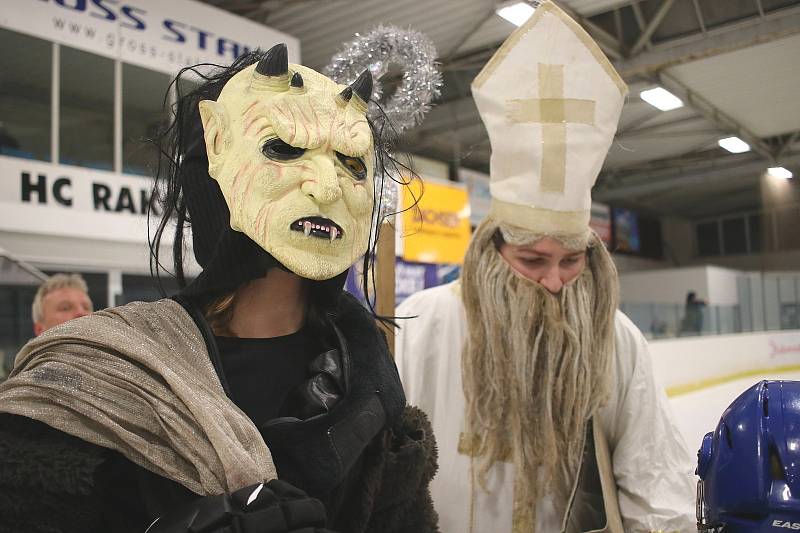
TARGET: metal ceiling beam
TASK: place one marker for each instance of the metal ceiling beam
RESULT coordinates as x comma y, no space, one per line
775,25
699,14
720,201
660,135
786,145
712,113
637,14
634,130
639,122
656,21
607,42
608,7
470,59
479,22
612,50
654,169
741,194
720,174
760,9
707,144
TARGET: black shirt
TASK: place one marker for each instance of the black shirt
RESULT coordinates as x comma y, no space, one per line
262,372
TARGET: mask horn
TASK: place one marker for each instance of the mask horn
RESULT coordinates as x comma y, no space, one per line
362,87
272,70
297,81
275,62
346,94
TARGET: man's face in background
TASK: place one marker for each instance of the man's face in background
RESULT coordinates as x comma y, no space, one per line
61,305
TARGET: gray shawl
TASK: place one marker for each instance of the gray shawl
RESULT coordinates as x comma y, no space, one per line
137,379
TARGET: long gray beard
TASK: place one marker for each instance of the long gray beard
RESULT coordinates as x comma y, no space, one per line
536,367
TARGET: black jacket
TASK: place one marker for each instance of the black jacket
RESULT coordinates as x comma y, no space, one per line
370,459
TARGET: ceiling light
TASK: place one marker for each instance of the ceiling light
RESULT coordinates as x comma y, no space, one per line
661,98
780,172
516,13
734,145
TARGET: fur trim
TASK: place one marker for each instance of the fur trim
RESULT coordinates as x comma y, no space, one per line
403,503
51,477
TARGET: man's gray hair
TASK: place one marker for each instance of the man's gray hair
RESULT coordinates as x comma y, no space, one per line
53,283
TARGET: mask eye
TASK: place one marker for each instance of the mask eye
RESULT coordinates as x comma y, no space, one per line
354,165
278,150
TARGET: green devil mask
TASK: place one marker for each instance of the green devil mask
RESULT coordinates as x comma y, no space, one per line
293,154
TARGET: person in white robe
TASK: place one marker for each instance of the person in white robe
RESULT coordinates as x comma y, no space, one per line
541,393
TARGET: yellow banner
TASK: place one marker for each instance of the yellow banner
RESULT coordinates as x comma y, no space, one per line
437,230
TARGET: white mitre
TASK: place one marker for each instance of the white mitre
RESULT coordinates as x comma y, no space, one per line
550,100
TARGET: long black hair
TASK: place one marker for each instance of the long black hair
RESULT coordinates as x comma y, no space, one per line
182,154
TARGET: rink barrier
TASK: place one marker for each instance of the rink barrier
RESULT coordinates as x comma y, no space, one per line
690,364
679,390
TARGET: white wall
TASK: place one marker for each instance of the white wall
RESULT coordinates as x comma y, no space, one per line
718,286
768,261
722,289
663,286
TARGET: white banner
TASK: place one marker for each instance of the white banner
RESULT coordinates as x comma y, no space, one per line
37,197
156,34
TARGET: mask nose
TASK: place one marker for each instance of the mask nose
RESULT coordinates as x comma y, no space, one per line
323,185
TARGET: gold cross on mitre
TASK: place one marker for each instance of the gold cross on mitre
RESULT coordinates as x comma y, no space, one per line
553,112
550,101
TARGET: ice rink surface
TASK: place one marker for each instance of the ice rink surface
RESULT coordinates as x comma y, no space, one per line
698,412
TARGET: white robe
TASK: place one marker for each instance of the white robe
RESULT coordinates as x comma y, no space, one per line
652,466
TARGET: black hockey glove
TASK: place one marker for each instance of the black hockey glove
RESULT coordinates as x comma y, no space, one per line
273,507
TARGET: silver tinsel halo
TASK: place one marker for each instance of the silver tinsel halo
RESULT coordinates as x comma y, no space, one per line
385,45
389,199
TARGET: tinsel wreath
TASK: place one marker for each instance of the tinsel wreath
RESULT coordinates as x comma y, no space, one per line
421,82
412,51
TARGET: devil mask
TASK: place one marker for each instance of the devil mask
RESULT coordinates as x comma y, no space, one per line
293,155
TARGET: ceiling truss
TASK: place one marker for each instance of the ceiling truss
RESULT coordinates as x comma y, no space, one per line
641,39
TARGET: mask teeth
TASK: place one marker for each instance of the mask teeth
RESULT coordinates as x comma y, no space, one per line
307,228
333,233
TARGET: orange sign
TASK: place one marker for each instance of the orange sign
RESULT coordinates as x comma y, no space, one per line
437,230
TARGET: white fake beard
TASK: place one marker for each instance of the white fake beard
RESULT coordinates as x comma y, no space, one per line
536,367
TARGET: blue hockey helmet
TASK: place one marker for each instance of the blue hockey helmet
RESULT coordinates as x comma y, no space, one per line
749,467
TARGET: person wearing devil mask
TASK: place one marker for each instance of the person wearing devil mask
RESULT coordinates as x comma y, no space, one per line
260,398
